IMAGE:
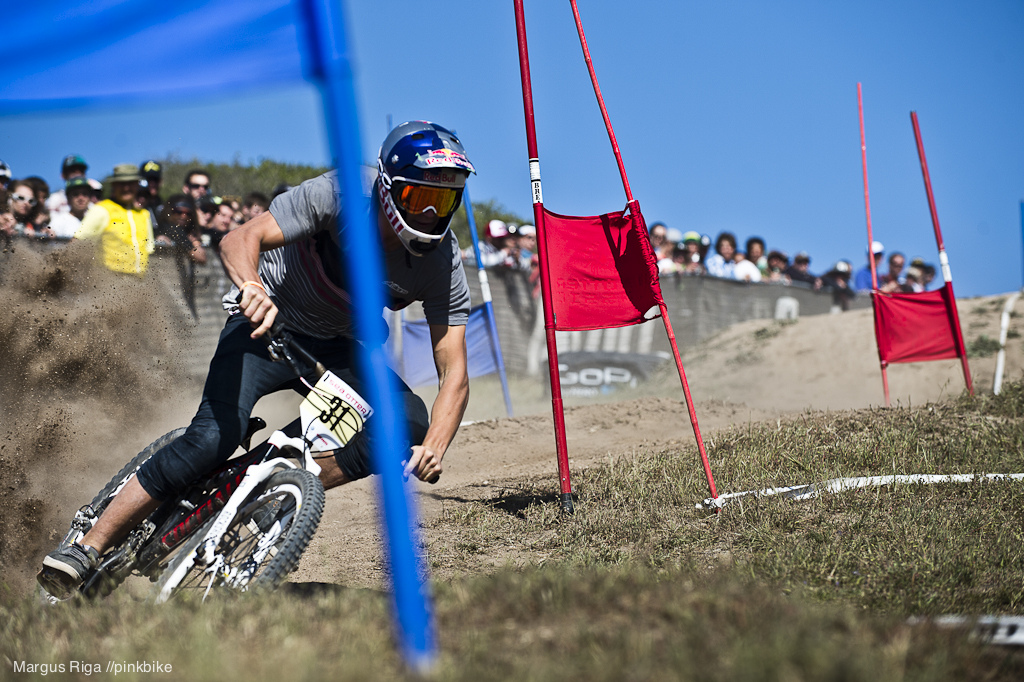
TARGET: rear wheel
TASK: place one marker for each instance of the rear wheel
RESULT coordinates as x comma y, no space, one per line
128,470
262,544
81,523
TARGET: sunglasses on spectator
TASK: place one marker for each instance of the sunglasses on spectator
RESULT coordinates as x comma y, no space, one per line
18,197
182,211
196,185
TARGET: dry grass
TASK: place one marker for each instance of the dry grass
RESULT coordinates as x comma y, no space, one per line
637,584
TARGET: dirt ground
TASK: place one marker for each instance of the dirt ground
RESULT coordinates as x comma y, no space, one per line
63,437
753,371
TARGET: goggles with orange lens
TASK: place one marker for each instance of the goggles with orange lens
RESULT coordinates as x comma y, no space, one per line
416,199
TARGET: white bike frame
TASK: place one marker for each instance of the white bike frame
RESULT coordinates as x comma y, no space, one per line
324,430
205,553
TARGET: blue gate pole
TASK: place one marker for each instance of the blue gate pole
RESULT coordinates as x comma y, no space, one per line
485,288
330,65
1022,238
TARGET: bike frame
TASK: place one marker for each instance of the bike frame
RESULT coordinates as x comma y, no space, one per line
150,542
205,554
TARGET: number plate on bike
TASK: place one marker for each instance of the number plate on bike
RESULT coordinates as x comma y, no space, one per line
332,413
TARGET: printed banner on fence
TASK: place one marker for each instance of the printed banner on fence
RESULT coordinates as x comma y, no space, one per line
417,364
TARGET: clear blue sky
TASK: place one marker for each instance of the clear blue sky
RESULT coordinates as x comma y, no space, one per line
732,115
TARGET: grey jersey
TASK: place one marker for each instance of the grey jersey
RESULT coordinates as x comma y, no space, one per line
305,277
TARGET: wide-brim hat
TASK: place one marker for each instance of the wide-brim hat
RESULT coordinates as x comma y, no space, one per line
125,172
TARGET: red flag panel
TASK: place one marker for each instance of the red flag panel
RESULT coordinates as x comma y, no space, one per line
914,327
603,271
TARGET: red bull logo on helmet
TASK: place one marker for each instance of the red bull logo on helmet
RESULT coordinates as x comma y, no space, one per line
446,157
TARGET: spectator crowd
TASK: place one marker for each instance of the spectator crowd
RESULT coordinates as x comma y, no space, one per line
682,254
136,219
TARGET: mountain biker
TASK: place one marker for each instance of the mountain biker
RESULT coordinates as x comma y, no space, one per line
288,261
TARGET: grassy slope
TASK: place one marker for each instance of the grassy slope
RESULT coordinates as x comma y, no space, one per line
639,585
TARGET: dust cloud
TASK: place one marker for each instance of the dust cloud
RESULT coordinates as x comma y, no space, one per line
91,363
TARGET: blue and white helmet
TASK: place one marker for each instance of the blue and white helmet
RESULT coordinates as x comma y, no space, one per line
421,167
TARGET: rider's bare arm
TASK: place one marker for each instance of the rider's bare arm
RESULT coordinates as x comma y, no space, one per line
240,252
452,397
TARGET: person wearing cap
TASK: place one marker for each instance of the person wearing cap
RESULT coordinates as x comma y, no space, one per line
862,278
778,263
927,272
838,280
207,207
73,166
79,197
685,258
499,249
694,264
914,283
800,271
124,233
152,174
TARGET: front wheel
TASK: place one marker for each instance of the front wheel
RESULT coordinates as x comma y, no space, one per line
262,544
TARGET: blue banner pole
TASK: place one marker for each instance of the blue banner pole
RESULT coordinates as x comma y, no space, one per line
485,288
330,65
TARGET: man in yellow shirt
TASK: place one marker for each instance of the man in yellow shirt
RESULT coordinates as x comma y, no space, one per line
124,233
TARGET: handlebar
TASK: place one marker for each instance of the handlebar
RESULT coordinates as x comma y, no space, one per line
281,345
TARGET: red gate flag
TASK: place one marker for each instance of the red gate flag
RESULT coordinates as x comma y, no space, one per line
915,327
596,272
605,273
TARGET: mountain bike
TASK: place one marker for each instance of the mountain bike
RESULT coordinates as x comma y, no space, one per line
244,526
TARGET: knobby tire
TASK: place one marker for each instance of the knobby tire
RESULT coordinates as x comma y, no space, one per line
182,575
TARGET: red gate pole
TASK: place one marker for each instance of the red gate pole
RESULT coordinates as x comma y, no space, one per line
947,274
630,200
600,101
871,239
561,448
